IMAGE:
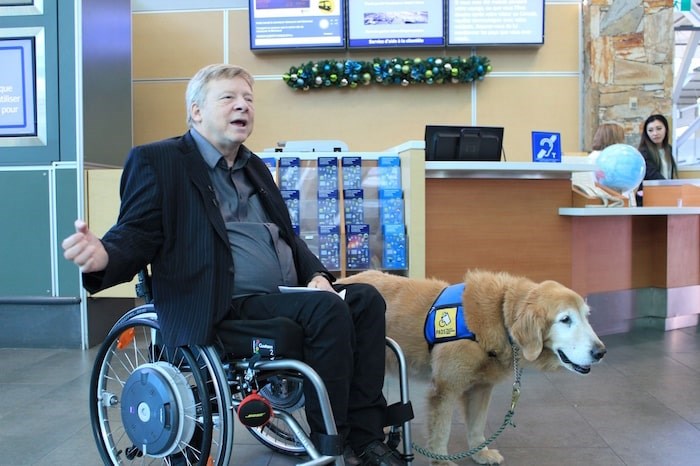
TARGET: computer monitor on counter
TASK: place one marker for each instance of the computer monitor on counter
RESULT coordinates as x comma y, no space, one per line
463,143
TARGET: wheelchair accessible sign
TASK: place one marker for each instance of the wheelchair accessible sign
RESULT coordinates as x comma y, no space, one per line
546,147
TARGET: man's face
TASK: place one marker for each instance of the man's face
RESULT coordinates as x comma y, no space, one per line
227,114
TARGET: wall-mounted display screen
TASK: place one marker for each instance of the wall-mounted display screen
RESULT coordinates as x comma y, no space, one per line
289,24
495,22
18,114
395,23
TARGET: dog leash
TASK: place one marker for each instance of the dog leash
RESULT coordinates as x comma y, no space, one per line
507,420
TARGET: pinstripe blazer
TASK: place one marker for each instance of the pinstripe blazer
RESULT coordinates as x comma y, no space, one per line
169,218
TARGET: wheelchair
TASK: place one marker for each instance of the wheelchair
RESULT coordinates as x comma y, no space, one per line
155,405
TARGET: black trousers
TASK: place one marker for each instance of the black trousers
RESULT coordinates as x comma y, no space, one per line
344,341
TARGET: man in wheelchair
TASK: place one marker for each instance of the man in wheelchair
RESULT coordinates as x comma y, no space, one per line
206,214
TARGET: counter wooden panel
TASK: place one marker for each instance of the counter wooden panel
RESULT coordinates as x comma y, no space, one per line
683,251
631,248
618,253
507,225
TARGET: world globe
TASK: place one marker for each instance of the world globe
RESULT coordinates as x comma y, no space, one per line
620,167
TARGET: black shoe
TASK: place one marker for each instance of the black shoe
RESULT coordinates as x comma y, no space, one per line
379,454
350,457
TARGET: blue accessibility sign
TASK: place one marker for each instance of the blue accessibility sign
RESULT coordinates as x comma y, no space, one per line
546,147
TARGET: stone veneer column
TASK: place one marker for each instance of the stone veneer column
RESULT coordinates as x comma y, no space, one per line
628,53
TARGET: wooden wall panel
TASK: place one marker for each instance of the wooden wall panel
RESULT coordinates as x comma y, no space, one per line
561,41
102,188
159,110
368,119
525,104
171,46
176,45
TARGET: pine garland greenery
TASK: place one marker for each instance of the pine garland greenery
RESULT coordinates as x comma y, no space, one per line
387,71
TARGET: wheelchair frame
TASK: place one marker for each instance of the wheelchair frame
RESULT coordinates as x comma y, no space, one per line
155,405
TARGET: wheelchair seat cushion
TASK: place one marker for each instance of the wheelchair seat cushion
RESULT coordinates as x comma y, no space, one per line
276,337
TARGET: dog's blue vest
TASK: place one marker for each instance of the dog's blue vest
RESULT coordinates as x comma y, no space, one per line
445,320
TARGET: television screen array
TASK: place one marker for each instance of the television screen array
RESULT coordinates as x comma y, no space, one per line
366,24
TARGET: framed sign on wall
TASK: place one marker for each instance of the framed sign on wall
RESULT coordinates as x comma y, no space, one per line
22,87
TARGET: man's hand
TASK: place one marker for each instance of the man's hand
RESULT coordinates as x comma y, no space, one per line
321,282
85,249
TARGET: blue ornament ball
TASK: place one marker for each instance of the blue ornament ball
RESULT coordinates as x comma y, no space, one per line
620,167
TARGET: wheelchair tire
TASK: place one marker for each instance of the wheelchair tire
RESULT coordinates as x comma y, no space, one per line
152,405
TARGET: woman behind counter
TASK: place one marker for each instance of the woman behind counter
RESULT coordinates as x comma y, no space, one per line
657,152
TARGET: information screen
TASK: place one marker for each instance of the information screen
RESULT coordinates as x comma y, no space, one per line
395,23
495,22
17,87
291,24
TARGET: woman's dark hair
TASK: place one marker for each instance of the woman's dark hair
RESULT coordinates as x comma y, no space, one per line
646,145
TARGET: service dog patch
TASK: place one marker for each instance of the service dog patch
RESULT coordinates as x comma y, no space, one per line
445,320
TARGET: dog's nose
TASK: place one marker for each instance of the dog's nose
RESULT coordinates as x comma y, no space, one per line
598,353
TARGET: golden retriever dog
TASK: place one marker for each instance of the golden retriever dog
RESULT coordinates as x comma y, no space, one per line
547,321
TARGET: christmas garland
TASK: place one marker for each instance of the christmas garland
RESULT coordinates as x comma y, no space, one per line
387,71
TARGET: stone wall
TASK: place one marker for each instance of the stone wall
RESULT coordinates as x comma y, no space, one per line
628,64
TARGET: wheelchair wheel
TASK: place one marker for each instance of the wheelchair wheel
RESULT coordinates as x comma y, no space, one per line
153,405
285,393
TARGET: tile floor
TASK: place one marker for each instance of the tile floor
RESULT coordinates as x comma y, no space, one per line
641,406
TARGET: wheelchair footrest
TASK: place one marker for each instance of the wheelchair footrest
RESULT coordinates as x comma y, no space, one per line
398,413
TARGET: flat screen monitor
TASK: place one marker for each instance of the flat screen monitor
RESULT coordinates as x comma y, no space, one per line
18,110
295,24
495,22
399,23
463,143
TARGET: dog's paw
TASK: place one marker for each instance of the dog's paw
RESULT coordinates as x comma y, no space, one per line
487,456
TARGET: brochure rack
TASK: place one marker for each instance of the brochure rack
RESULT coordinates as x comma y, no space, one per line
348,208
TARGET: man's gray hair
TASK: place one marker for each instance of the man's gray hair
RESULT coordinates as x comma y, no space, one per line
197,87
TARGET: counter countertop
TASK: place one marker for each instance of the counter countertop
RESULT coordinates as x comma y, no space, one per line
595,211
504,170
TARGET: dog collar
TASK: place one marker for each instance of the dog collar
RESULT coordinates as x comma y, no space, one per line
445,320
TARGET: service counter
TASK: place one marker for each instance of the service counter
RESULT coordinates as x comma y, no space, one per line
498,216
634,265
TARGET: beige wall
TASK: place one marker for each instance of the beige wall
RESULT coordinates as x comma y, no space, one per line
530,88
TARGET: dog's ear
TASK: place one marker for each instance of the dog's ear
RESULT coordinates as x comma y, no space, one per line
527,331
